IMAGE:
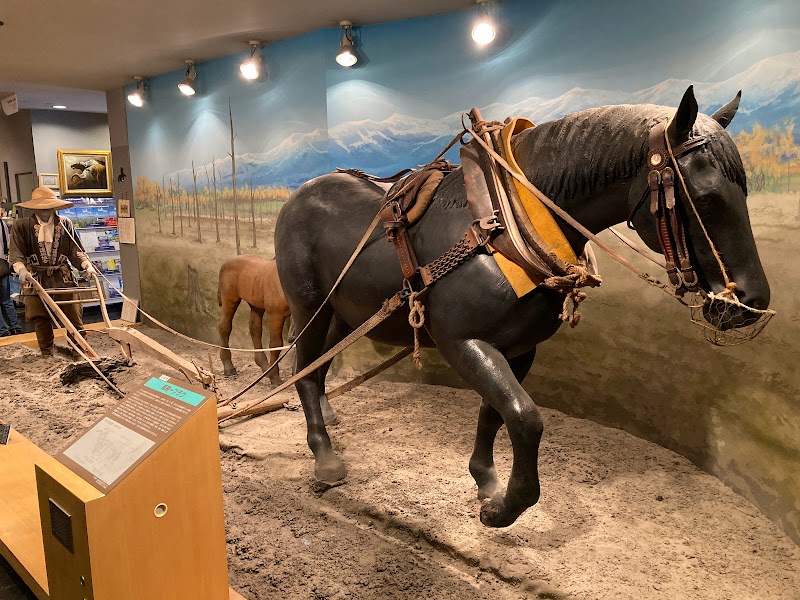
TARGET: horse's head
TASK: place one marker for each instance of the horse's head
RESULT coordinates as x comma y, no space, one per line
715,179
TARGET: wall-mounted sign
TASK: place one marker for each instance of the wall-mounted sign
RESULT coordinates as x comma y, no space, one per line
124,207
10,104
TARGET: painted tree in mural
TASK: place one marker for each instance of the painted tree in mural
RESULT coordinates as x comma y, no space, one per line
196,205
208,189
771,156
159,199
179,191
253,211
172,204
233,181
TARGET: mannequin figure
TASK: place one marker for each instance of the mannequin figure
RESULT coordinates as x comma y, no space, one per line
42,247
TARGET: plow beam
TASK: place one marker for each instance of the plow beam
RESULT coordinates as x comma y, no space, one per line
143,343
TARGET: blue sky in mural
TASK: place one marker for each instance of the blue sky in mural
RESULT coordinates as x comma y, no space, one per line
398,109
556,57
171,130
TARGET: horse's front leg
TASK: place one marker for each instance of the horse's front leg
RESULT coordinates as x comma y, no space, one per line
481,463
488,372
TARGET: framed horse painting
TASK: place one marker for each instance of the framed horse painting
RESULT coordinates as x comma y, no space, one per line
85,172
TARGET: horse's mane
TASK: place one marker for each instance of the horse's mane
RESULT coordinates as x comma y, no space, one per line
608,145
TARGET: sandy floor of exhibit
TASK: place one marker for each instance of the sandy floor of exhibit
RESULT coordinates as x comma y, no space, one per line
619,517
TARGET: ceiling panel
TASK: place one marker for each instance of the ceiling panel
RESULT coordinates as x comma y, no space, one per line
101,44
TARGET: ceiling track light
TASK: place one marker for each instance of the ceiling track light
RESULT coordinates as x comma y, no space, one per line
347,56
136,97
188,85
251,68
484,31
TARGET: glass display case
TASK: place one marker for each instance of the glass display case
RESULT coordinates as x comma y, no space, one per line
95,221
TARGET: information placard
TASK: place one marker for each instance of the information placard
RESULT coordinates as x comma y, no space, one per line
131,430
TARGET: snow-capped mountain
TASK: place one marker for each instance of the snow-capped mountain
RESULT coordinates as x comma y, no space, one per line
771,92
297,159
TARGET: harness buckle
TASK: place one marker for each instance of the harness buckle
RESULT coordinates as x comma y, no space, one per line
654,182
689,277
674,276
668,181
487,228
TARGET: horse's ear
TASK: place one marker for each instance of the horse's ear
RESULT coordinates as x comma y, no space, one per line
683,121
725,114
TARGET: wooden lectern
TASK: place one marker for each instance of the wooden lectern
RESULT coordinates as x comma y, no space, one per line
131,510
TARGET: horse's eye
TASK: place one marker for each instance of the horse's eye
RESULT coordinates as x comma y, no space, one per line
708,204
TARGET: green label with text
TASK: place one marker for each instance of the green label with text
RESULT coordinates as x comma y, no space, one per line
175,391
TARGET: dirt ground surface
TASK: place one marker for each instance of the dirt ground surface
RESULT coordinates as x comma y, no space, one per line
618,518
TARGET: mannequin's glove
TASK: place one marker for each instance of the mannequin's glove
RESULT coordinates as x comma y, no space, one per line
89,267
23,275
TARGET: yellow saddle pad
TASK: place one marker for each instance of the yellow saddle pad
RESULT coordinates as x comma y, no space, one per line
542,219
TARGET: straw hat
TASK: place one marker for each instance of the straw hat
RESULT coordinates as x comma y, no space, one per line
43,198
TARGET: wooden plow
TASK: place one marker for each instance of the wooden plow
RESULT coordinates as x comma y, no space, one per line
127,338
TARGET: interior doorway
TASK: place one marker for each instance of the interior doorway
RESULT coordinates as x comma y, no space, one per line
26,183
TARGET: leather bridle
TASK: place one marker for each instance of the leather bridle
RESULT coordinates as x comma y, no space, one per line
663,165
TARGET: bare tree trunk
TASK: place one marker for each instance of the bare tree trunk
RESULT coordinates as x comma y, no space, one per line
159,199
233,181
172,202
253,212
196,205
189,208
216,220
180,203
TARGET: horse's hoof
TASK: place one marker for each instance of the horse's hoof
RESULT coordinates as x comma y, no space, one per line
330,471
275,382
489,490
230,372
329,414
495,513
330,418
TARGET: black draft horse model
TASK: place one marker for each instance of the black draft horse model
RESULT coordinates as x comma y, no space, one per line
593,164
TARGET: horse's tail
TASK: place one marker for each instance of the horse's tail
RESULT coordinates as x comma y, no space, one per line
219,291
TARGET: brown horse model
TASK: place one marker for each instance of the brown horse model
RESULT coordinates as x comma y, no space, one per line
254,280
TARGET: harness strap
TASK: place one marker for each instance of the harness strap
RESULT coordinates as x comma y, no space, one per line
456,256
669,224
394,223
367,177
389,307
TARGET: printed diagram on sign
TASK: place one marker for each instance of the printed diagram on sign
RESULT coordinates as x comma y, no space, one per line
108,450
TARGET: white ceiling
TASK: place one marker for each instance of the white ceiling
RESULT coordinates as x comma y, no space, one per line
101,44
36,95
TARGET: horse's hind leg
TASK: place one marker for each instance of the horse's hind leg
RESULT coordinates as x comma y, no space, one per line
336,333
257,334
225,327
489,373
481,464
329,468
275,322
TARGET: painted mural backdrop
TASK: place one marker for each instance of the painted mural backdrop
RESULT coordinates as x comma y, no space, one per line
733,411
